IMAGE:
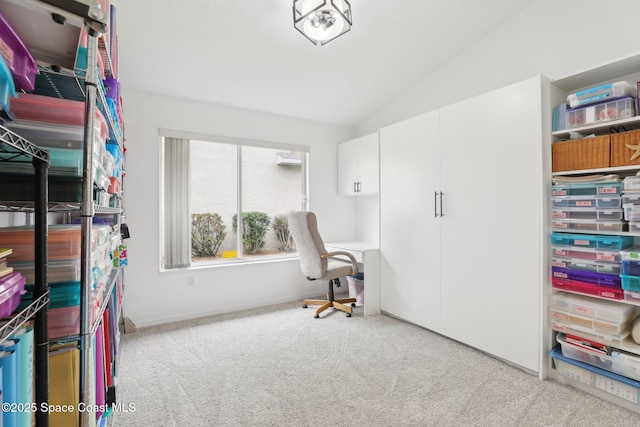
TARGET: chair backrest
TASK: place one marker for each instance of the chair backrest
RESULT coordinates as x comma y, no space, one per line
304,230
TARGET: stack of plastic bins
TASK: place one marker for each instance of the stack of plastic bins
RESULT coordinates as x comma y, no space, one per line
101,265
631,202
588,264
588,206
63,272
65,173
589,318
630,274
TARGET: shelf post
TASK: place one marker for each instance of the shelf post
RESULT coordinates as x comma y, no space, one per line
41,334
86,217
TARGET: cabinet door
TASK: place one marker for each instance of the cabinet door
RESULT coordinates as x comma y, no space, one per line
368,164
409,230
492,151
347,168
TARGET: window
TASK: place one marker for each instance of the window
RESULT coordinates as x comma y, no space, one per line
224,200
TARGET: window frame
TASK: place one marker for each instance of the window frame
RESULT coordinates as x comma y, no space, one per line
239,143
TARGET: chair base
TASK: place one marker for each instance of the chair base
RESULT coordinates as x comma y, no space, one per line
331,302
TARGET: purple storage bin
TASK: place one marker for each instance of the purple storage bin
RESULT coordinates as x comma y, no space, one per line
602,279
17,56
11,290
112,87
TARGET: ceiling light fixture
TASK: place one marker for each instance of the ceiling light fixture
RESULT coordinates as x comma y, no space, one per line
322,20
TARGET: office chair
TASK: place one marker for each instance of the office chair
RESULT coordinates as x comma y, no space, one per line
317,264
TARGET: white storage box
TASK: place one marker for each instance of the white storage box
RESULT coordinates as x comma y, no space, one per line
614,109
631,212
591,254
631,198
356,289
606,381
618,362
614,214
608,339
631,183
589,323
587,265
588,225
600,93
592,307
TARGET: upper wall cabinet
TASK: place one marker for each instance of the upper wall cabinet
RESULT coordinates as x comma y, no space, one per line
358,166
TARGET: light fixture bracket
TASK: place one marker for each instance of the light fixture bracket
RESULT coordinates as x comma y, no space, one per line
321,21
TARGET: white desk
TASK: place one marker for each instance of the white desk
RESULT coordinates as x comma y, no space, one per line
368,257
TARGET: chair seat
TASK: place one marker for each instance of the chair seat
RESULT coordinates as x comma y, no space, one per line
335,269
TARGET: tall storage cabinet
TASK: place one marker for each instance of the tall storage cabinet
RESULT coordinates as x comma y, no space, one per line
409,223
74,110
462,256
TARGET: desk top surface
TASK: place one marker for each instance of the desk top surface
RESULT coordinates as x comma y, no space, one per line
353,246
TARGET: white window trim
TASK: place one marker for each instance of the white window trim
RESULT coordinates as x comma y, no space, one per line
240,142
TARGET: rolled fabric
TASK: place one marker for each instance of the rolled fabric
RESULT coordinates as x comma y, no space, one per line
635,330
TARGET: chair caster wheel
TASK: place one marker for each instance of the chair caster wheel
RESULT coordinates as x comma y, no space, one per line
348,314
316,316
304,305
353,304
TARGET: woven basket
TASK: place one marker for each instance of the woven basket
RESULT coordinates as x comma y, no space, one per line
587,153
620,153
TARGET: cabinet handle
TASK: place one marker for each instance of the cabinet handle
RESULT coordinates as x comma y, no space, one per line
435,204
441,214
355,190
359,187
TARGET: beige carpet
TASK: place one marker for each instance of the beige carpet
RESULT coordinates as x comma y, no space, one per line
278,366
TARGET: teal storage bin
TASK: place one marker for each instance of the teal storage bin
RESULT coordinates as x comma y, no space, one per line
7,86
630,283
592,241
66,294
590,189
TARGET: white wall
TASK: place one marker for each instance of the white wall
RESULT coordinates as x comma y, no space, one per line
152,297
553,38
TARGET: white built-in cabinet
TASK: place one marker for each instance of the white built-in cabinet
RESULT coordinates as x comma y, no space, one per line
462,254
409,226
358,169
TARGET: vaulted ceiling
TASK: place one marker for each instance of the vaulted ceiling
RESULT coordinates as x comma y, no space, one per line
247,54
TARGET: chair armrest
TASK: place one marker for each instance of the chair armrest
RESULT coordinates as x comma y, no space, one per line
335,255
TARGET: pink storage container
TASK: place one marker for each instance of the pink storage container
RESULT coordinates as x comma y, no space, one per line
18,58
114,186
41,108
11,291
64,321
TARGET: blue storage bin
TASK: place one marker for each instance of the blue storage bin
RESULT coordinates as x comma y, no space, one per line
115,151
630,268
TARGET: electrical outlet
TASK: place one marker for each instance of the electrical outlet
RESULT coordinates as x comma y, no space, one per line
191,280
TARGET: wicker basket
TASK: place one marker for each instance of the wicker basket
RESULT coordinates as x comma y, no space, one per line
620,153
587,153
